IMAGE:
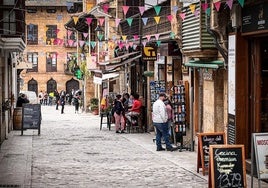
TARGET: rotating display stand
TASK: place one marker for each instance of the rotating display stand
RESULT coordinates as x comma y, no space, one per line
179,114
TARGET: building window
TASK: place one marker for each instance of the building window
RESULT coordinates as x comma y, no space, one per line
51,34
32,34
33,58
51,61
9,22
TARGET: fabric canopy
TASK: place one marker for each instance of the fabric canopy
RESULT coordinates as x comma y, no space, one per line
205,64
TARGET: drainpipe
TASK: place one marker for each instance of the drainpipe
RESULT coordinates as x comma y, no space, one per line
216,36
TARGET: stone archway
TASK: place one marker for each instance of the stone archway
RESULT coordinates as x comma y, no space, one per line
33,85
51,85
72,84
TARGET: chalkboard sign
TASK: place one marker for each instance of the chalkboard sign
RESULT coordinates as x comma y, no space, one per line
31,117
204,141
227,166
260,144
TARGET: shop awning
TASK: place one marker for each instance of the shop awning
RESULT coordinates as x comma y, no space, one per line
205,64
109,76
116,65
118,59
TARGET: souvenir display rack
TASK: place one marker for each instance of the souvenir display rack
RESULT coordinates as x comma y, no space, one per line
178,100
156,87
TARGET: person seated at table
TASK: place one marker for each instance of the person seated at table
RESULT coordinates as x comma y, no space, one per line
135,110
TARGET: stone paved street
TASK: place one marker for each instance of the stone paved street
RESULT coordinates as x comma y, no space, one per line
72,152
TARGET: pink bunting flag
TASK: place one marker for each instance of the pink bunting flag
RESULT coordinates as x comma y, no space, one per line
70,42
136,37
127,46
182,15
144,43
57,31
121,45
69,32
148,37
156,36
85,35
105,8
197,13
81,43
130,43
117,21
89,20
170,17
217,5
204,6
142,9
229,3
125,9
101,21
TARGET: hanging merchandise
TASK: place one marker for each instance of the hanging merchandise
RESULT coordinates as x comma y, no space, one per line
179,112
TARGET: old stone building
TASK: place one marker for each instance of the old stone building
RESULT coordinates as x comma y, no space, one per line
51,48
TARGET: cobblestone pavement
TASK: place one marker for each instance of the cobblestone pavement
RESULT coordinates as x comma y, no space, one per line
72,152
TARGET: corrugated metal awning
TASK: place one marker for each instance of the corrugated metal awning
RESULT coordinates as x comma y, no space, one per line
205,64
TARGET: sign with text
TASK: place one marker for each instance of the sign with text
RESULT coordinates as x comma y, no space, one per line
31,117
260,143
227,166
255,18
149,53
204,141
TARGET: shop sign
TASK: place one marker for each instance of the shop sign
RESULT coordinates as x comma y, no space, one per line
255,18
149,53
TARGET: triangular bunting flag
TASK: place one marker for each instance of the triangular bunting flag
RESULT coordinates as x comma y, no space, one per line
144,43
121,45
142,9
125,9
192,8
85,35
70,42
92,44
69,32
157,19
136,37
130,44
172,35
157,9
170,17
135,46
81,43
241,2
114,37
156,36
69,5
129,21
148,37
217,5
204,6
59,17
75,18
229,3
100,36
175,9
117,21
89,20
208,11
158,43
127,46
144,20
196,13
101,21
182,15
105,8
124,37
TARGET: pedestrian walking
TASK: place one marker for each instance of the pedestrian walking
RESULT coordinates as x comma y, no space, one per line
160,122
76,100
62,103
57,98
41,97
119,114
168,104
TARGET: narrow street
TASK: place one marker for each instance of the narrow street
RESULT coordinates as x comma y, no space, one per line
71,151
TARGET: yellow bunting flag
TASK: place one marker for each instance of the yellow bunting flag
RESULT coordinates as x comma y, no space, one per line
75,19
192,8
157,19
124,37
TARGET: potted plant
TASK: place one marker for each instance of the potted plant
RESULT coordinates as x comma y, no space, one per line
94,106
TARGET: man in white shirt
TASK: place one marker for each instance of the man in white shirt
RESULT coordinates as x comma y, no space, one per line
160,122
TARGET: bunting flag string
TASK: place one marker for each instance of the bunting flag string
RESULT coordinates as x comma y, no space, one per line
157,9
129,21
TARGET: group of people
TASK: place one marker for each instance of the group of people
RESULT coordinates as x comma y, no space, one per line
124,108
